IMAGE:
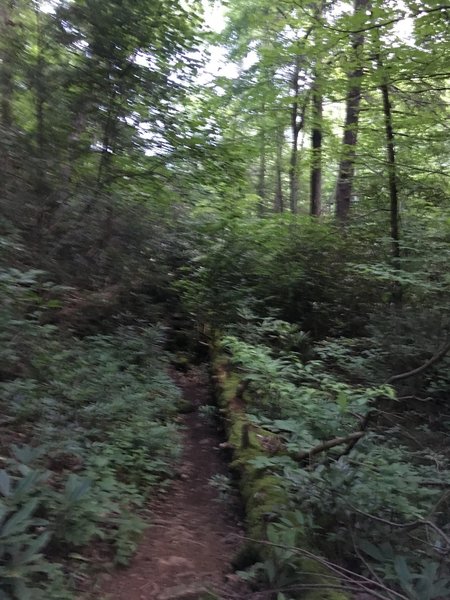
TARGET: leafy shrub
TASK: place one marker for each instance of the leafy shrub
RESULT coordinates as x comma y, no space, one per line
90,426
357,499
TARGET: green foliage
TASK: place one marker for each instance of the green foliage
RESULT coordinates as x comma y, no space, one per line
224,487
97,415
353,500
425,584
24,536
130,197
279,267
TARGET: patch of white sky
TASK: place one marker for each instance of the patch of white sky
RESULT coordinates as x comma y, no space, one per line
48,6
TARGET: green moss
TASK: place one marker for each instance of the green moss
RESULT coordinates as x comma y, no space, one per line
324,595
229,387
316,575
246,556
235,429
208,596
264,498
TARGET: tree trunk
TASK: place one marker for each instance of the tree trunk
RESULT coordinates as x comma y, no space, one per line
297,123
392,171
279,200
295,131
348,153
6,62
261,186
42,187
40,97
316,146
392,178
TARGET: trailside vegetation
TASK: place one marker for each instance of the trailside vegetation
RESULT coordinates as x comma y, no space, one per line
289,211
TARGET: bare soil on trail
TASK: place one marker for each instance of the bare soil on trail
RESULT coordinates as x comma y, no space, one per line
193,537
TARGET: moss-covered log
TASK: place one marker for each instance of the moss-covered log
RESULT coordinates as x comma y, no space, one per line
264,498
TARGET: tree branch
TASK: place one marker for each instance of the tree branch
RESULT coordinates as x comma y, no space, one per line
419,13
406,526
352,437
426,365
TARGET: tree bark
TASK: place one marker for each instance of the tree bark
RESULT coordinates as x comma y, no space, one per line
316,148
393,189
7,60
392,172
40,97
261,186
348,154
295,131
6,63
279,200
394,208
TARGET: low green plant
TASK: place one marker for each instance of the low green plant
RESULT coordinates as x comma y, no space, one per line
224,487
208,412
348,495
96,416
25,572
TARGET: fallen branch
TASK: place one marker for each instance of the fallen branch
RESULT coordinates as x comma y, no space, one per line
426,365
330,444
364,425
345,575
407,526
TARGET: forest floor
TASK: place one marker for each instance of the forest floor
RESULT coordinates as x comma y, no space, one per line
188,549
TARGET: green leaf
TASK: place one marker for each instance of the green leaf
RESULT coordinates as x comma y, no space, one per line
76,488
342,401
26,484
403,572
372,550
21,591
5,483
270,570
32,552
20,520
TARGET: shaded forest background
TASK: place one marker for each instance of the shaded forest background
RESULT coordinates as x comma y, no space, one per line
298,212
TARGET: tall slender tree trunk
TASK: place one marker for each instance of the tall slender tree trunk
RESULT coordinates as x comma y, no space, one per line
316,150
261,185
392,171
392,178
348,153
7,60
104,165
42,187
295,131
40,104
279,199
6,63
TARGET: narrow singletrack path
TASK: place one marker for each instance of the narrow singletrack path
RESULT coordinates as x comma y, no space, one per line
193,537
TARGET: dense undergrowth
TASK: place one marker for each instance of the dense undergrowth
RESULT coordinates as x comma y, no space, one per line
359,505
87,431
141,211
307,318
356,438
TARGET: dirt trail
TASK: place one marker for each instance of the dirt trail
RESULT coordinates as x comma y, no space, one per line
189,547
